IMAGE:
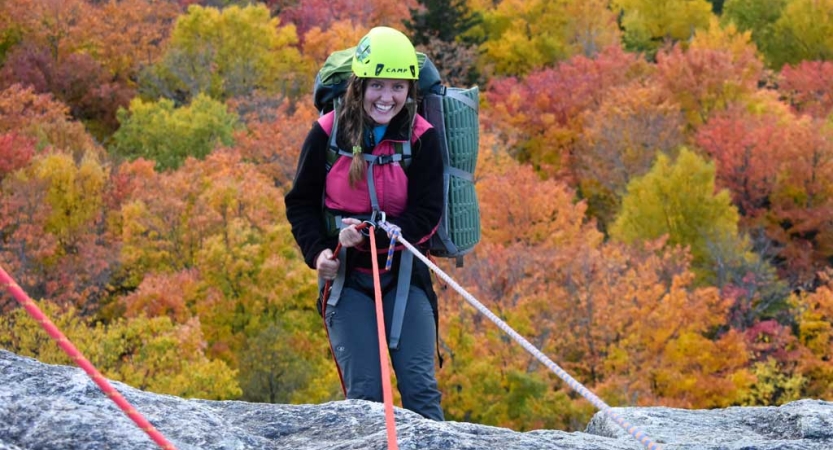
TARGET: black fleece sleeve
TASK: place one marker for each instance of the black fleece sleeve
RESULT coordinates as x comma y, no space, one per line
303,201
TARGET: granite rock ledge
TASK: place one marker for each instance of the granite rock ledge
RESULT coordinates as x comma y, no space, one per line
51,407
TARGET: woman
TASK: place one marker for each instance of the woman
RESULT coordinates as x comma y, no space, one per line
376,118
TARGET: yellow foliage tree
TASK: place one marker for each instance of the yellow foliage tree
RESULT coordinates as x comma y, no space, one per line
75,195
521,36
152,354
649,24
678,200
815,332
227,53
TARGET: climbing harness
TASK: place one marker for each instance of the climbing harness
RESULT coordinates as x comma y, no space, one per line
633,430
70,349
387,390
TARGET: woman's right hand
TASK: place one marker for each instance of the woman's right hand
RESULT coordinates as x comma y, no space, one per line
326,265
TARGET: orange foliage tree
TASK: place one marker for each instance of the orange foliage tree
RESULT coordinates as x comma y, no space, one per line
216,246
704,80
126,35
54,225
527,225
619,141
274,142
748,152
57,25
611,315
39,116
319,42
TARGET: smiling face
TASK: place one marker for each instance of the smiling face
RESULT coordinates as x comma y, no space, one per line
384,98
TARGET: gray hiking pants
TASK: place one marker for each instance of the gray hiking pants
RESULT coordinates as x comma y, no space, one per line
351,324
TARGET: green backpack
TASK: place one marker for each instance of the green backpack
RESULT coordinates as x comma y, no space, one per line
454,112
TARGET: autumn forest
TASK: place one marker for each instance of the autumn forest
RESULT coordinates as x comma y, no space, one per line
655,181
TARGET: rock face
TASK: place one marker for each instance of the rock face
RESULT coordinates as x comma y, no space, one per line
47,407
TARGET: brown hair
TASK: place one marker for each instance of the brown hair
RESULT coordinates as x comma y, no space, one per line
352,121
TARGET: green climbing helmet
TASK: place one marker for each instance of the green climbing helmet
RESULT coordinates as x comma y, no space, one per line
385,53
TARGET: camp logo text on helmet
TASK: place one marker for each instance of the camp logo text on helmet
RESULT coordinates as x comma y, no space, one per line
385,53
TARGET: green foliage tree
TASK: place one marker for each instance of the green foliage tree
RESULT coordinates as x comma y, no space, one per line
803,32
757,17
226,53
10,34
445,20
273,371
678,200
438,28
649,24
717,6
168,135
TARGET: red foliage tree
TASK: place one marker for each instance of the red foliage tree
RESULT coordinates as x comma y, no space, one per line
748,150
808,87
306,14
539,115
78,81
15,152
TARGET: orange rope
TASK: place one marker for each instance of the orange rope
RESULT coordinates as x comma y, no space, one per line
79,359
387,392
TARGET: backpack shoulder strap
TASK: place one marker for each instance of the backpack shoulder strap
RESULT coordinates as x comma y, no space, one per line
404,148
329,123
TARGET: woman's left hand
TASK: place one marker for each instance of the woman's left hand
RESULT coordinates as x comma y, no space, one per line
350,236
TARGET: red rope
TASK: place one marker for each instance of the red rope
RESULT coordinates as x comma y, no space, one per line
79,359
